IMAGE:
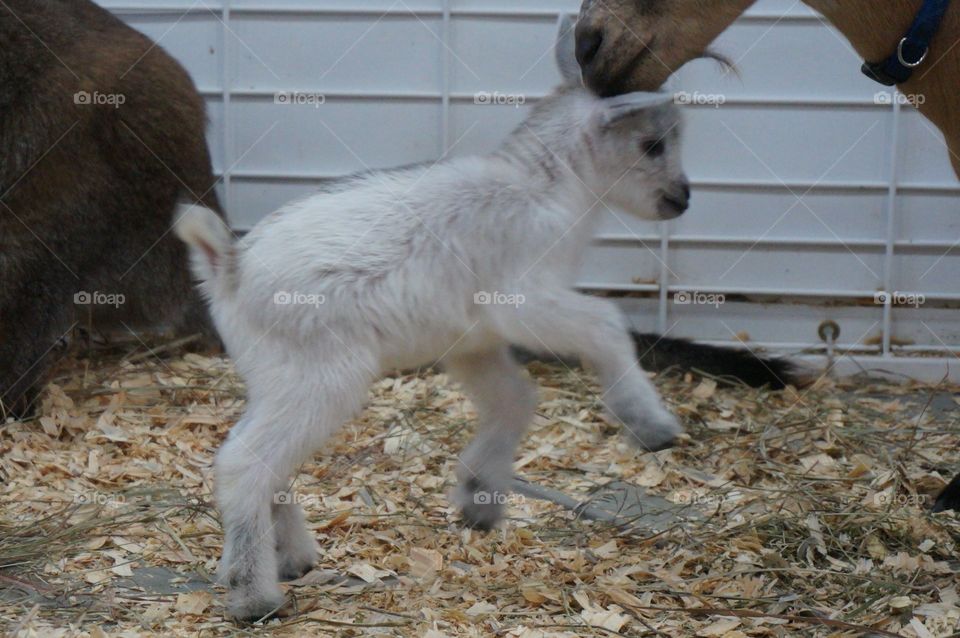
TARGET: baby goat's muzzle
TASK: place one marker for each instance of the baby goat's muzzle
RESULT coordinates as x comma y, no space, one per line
675,201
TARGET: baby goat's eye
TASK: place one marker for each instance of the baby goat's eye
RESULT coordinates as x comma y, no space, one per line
653,148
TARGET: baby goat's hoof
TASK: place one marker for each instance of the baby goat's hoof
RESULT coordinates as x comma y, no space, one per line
296,556
480,505
648,431
293,570
657,446
481,521
248,607
656,436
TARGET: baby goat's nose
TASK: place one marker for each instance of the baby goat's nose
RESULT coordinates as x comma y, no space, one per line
589,41
676,201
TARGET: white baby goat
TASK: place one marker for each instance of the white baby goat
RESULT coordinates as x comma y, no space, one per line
397,269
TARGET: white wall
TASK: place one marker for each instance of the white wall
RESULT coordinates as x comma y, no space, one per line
811,194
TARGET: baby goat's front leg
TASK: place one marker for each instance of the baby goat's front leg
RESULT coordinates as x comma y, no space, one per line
564,322
505,400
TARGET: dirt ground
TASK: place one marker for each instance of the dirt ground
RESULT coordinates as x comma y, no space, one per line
794,513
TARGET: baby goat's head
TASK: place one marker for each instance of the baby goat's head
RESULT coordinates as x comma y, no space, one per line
625,149
635,156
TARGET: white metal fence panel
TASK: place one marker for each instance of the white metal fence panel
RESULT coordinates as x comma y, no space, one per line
814,188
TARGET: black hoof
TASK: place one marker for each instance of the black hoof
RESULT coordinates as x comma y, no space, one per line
664,445
949,498
294,573
481,506
250,615
478,525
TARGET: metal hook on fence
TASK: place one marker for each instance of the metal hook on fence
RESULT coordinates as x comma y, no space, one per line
829,332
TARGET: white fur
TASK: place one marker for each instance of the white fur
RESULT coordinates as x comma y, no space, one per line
383,272
207,233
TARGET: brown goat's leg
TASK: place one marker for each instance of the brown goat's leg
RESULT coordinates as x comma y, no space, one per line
34,316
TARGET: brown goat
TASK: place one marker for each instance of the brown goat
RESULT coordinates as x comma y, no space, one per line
101,135
630,45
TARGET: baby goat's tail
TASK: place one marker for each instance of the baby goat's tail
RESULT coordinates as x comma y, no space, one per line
210,242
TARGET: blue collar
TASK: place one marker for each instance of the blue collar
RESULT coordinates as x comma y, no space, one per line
913,48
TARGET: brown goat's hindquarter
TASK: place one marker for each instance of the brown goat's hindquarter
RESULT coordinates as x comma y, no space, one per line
88,191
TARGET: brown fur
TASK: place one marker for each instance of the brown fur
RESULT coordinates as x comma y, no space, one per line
88,192
644,41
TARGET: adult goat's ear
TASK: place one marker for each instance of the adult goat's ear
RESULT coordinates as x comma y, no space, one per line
614,109
566,50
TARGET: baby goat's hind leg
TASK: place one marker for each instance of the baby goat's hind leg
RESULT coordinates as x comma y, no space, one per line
505,400
247,473
288,419
296,545
565,322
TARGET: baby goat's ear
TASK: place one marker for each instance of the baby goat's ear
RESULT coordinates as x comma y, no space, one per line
566,50
614,109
